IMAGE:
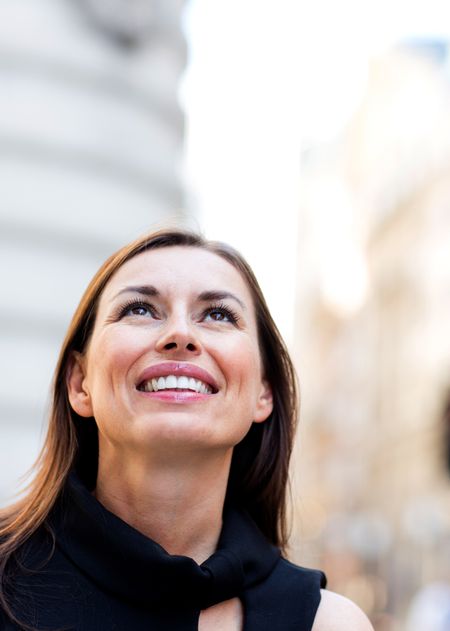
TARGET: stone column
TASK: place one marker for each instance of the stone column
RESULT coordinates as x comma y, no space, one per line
90,138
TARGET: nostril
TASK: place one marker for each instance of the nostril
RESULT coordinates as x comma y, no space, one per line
170,345
190,347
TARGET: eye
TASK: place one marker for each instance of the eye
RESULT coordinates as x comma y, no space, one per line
220,313
137,308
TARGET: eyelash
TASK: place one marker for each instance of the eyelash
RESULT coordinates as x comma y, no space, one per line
221,308
134,304
224,310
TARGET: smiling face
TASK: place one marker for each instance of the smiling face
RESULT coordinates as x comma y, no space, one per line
173,359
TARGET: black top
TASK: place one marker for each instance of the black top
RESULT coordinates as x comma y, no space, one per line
103,575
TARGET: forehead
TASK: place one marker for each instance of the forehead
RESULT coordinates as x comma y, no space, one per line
185,268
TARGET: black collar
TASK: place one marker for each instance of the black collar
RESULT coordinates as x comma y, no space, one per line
128,564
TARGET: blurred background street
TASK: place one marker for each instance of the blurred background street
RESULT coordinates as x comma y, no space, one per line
315,138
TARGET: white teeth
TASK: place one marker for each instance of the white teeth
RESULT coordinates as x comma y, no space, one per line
172,382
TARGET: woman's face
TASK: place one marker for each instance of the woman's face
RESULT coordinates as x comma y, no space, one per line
174,358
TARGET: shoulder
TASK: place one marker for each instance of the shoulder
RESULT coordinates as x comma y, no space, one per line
337,613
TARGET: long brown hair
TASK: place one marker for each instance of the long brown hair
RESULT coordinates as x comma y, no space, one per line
259,469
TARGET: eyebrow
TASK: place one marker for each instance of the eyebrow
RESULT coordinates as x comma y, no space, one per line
205,296
144,290
208,296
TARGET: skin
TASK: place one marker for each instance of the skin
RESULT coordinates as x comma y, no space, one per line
337,613
164,460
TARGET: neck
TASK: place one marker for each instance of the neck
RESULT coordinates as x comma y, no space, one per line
177,505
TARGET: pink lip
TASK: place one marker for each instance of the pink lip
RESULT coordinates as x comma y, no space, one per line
176,396
181,369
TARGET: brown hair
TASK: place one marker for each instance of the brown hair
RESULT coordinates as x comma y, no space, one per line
259,469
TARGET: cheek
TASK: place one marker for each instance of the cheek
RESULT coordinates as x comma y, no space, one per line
243,361
114,355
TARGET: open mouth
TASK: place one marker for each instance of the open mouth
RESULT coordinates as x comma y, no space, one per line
173,382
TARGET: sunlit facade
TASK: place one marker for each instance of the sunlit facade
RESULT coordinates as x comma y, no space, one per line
373,348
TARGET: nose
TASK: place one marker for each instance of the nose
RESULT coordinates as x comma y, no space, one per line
178,337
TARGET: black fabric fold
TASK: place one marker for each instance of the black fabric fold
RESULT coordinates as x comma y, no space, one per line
90,571
124,562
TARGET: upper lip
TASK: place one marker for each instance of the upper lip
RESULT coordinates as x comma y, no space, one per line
180,369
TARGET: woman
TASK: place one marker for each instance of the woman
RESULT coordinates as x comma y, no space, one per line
159,496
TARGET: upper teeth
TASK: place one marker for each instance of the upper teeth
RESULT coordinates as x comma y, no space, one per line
172,382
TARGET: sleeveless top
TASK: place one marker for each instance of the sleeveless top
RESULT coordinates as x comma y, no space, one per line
97,573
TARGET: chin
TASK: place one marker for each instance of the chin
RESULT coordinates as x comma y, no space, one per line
182,434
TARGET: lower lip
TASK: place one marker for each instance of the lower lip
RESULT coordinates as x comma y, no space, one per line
176,396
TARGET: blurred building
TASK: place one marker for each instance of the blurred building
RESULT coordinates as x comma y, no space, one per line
90,137
373,349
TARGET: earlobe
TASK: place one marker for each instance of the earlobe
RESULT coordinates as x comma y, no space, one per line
265,403
79,396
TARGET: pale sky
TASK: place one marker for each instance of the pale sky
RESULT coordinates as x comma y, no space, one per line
265,78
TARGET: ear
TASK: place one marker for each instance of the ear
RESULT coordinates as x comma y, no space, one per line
79,396
264,405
